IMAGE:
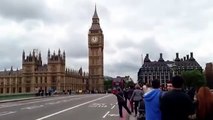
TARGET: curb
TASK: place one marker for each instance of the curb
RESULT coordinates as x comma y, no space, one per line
21,99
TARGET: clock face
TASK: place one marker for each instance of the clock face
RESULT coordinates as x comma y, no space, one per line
94,39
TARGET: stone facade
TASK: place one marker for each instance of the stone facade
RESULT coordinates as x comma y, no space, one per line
165,70
36,76
96,55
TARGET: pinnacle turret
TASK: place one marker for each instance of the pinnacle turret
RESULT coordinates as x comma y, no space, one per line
95,14
95,22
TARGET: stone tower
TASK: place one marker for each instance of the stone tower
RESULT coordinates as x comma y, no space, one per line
30,64
56,70
96,55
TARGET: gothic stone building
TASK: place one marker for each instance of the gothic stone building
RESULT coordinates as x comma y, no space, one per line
165,70
34,76
53,75
96,55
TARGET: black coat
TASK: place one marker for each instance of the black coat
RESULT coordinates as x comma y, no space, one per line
129,92
120,97
176,105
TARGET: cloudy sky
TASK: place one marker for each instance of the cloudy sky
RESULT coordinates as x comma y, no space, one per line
131,28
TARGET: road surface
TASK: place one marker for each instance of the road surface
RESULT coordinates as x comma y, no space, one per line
74,107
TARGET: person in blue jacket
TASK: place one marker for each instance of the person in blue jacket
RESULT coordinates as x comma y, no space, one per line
152,102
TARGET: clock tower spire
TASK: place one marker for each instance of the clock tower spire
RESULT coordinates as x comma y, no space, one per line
96,55
95,22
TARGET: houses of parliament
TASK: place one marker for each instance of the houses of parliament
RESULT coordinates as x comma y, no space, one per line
34,75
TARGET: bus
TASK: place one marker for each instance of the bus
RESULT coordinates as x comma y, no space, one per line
117,83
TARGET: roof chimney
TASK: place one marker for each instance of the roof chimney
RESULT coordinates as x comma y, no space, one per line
177,57
161,58
147,58
191,56
184,58
187,56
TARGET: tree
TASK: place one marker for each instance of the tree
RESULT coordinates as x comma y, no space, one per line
108,84
193,78
129,83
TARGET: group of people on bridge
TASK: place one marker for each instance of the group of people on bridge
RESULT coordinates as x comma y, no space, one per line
150,102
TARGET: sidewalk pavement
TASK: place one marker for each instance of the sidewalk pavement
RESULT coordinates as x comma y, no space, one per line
131,117
126,115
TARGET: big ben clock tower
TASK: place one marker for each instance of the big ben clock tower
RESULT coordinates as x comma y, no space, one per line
96,55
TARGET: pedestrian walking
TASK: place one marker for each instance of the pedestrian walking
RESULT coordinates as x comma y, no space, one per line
152,102
176,104
130,92
121,102
204,104
125,94
136,97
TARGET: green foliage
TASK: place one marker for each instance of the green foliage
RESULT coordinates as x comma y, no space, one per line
193,78
108,84
129,83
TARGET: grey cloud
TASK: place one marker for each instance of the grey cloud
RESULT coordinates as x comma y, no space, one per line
76,63
150,46
26,9
76,46
130,60
10,54
147,15
127,63
125,43
39,10
124,68
12,48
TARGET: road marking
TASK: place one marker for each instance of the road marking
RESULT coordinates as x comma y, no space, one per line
12,105
63,101
32,107
98,105
113,115
7,113
106,114
50,115
113,106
